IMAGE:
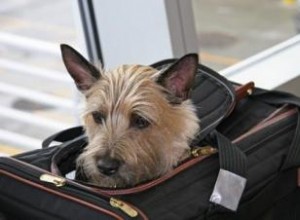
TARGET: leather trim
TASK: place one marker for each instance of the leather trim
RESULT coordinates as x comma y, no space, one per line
150,184
244,90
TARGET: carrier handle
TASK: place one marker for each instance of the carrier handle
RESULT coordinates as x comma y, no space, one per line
63,136
278,97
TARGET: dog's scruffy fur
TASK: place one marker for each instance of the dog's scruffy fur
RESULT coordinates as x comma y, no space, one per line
139,121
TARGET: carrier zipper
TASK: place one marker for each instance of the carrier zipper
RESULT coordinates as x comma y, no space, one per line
123,206
56,180
72,187
36,185
203,151
116,203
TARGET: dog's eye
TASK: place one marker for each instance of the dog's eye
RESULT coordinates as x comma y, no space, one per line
139,122
98,117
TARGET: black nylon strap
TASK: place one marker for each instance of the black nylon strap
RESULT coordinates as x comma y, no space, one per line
63,136
276,97
230,156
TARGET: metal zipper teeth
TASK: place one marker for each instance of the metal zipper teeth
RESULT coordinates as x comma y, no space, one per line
58,193
67,186
194,161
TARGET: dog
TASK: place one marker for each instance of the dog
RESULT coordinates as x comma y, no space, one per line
139,121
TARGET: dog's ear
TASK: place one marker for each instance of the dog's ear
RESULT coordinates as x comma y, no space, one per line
179,77
83,73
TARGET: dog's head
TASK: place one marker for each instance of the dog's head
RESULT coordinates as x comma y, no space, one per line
139,121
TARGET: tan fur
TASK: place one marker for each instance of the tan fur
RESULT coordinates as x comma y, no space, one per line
146,153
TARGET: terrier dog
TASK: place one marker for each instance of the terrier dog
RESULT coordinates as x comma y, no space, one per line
139,121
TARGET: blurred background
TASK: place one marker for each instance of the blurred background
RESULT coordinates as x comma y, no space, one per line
38,97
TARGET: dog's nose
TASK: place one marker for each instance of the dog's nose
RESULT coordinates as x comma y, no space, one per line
108,166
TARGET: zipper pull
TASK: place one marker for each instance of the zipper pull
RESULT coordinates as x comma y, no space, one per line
203,151
56,180
123,206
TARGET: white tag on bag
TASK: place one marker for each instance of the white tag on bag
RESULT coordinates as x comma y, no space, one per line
228,190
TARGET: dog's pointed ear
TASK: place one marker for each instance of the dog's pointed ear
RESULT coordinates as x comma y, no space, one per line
83,72
179,77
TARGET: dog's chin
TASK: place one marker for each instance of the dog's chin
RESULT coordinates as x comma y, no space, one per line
113,182
100,180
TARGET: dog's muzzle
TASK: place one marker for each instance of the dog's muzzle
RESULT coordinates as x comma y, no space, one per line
108,166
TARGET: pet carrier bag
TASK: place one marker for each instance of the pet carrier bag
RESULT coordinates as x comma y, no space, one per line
243,165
